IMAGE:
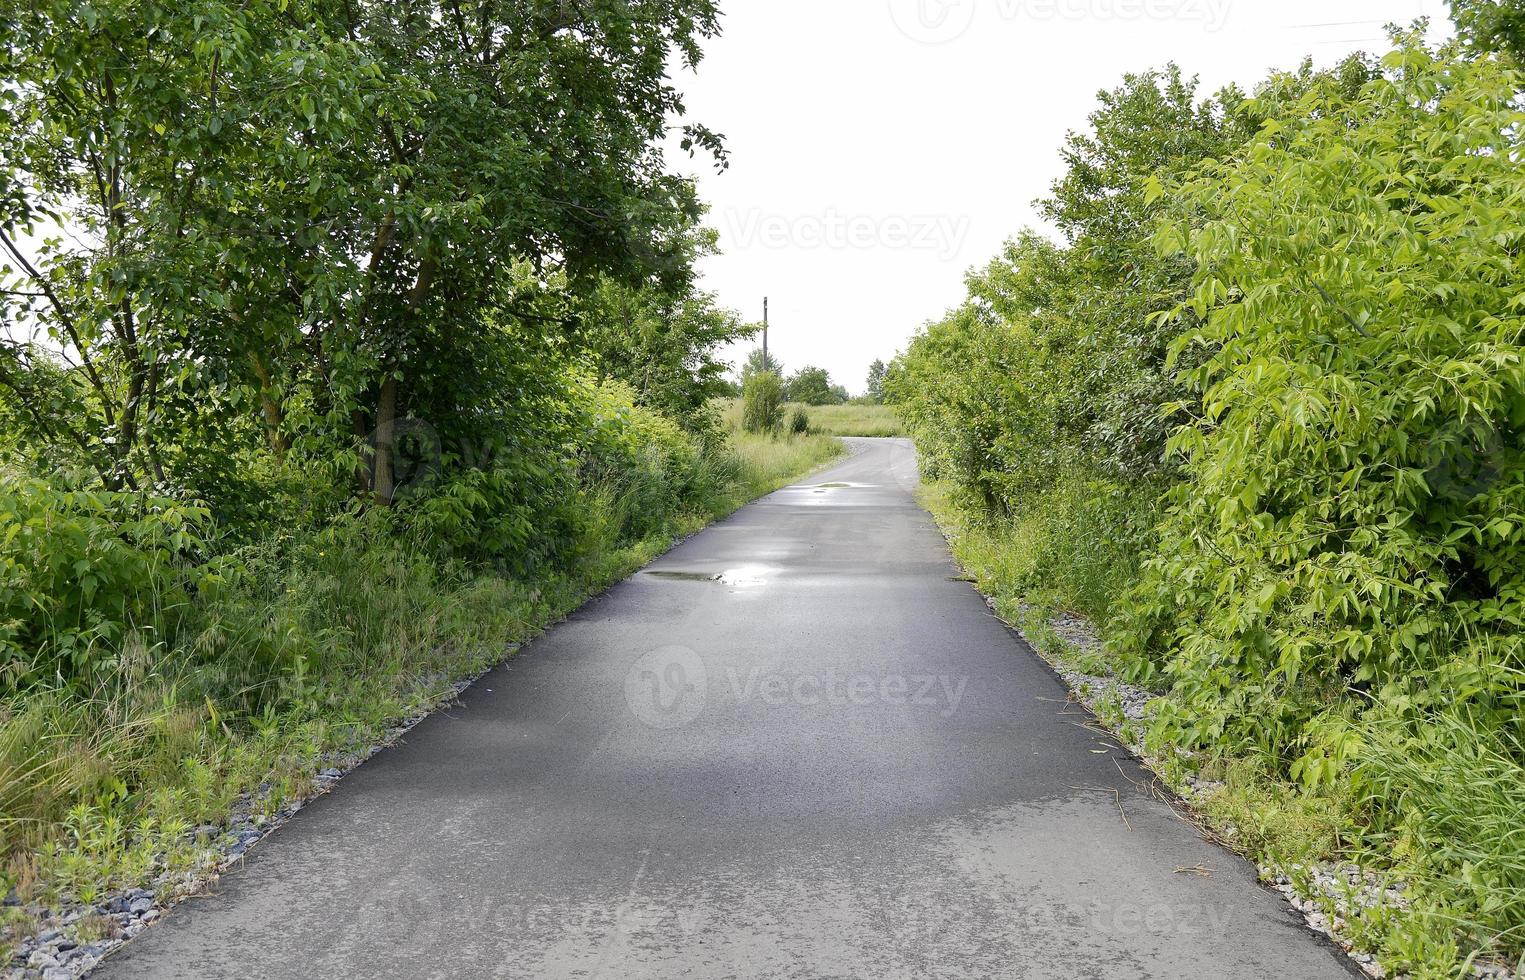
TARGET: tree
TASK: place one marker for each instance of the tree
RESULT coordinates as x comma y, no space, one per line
762,402
664,342
310,220
876,372
758,363
1347,518
663,347
1492,25
812,385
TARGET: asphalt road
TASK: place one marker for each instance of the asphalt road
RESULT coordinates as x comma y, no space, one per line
796,746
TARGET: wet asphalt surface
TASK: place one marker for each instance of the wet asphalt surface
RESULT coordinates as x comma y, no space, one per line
796,746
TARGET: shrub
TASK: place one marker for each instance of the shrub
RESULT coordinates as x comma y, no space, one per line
762,398
1321,363
799,421
649,466
81,569
1355,507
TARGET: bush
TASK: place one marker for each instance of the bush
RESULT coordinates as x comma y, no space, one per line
645,466
799,422
1354,514
79,570
762,399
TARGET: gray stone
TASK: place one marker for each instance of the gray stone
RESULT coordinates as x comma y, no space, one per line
140,905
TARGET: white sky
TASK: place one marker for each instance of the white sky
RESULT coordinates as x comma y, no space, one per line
880,148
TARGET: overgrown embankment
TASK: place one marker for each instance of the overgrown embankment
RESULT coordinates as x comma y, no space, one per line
1259,417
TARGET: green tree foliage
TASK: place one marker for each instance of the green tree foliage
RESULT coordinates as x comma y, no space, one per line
664,347
313,220
799,421
762,397
268,266
662,338
1354,509
874,393
1300,316
812,386
1057,360
1492,25
758,363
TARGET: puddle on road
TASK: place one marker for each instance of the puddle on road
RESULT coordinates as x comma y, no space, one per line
686,576
823,487
747,576
740,577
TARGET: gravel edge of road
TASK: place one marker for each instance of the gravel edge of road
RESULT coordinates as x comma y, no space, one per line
56,951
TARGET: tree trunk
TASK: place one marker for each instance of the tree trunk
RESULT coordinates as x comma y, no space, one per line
360,426
274,417
383,480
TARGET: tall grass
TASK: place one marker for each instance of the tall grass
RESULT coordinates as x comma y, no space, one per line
867,421
1073,545
1446,800
769,462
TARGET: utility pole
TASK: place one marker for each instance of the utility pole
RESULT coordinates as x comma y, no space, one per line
766,366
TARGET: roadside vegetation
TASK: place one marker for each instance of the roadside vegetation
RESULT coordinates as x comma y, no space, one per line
336,363
852,419
855,419
1258,414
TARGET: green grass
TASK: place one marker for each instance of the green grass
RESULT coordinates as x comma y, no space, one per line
871,421
303,655
771,462
1065,550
